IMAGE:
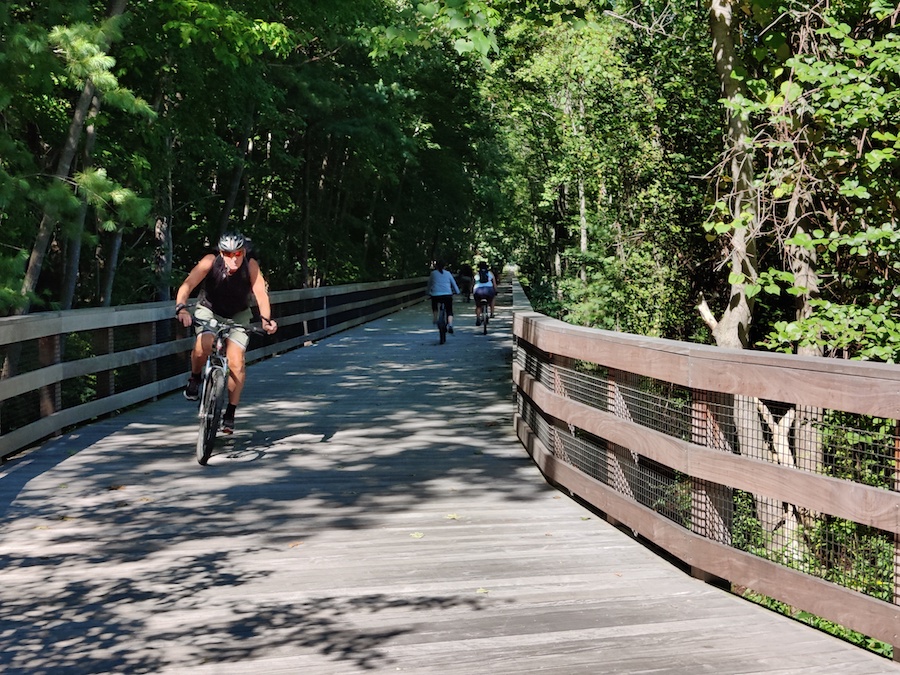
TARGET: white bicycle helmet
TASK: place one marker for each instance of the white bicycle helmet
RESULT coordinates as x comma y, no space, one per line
231,242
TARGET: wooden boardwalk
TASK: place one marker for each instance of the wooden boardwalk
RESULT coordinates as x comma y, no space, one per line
373,513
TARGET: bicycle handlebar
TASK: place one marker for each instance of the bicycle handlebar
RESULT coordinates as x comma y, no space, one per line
226,325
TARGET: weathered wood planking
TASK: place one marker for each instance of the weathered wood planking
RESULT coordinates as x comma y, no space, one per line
375,512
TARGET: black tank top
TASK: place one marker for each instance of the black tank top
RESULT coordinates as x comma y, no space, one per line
226,295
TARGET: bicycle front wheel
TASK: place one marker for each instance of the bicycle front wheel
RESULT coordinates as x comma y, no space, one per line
210,412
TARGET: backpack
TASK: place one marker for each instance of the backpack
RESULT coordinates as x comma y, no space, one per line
483,276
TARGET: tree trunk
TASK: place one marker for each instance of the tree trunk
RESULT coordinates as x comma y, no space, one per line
73,249
582,221
163,233
236,176
112,264
810,455
48,222
732,329
164,243
307,218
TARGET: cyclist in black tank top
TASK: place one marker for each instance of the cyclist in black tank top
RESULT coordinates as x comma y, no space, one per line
229,279
226,294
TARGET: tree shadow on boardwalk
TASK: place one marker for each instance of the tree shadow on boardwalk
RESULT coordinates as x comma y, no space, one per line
374,512
123,555
98,625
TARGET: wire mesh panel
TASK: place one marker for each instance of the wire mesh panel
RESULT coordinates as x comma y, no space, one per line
646,482
653,404
848,553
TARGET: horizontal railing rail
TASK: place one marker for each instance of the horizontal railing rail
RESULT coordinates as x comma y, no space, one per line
64,368
778,474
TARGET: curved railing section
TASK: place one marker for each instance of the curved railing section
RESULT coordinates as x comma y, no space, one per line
63,368
778,474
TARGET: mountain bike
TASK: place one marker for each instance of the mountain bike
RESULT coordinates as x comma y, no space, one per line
442,321
214,385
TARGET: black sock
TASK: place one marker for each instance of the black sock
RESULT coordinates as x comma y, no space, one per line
195,376
229,411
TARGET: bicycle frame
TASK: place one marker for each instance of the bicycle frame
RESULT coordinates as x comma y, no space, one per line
217,357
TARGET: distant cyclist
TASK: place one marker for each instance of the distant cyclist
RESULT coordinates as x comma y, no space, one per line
228,279
465,281
485,287
441,287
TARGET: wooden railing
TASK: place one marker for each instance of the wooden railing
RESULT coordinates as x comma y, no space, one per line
63,368
777,474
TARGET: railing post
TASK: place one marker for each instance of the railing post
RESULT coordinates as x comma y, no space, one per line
48,355
104,342
559,387
618,457
710,502
147,337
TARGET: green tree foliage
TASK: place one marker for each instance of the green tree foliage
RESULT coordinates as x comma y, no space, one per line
342,159
584,141
838,99
609,147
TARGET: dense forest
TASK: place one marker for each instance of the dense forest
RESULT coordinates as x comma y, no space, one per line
722,172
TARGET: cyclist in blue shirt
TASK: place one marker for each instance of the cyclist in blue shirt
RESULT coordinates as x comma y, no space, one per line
441,287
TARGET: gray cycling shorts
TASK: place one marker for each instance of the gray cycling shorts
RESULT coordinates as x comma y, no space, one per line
238,335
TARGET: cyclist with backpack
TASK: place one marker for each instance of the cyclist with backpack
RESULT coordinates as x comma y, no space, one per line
485,287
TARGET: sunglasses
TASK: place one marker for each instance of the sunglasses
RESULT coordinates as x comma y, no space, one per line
232,254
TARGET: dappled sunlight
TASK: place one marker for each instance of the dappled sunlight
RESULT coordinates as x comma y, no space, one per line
351,434
374,508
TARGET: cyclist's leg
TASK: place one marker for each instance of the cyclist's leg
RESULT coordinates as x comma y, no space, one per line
237,371
237,376
235,349
478,295
204,344
202,347
434,308
448,303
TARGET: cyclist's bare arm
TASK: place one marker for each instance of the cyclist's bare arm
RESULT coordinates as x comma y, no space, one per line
261,293
193,279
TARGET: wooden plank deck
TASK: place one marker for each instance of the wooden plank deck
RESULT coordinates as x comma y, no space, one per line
374,513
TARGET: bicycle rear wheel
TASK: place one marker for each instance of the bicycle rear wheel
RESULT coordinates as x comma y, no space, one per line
442,324
485,314
210,412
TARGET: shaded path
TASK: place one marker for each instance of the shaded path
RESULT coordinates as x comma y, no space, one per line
374,513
